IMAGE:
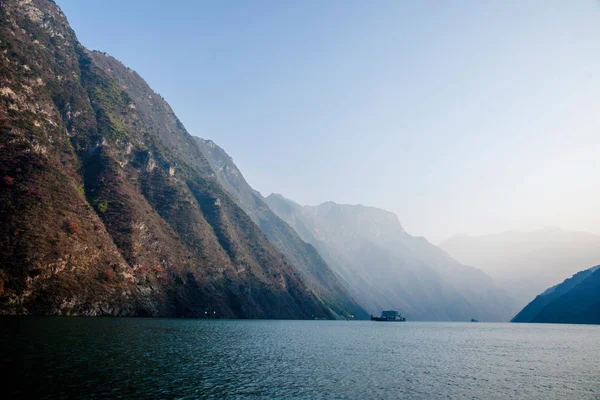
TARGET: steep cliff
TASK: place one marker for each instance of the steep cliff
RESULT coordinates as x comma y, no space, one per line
107,205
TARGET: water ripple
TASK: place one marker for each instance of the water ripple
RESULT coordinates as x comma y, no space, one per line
189,359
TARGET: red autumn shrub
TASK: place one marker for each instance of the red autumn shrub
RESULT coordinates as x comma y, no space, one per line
8,181
108,274
72,227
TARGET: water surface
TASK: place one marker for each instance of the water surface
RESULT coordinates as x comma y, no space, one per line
53,357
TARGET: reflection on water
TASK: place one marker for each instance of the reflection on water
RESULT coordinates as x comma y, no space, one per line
54,357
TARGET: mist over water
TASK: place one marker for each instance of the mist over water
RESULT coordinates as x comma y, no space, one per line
168,358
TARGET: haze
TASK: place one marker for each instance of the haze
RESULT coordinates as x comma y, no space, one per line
471,117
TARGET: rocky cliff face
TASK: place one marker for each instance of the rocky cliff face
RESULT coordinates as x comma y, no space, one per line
388,268
303,256
107,205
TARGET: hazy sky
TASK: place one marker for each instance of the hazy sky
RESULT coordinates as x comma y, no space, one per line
459,116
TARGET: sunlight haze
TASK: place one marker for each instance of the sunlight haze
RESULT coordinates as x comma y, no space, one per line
460,117
300,199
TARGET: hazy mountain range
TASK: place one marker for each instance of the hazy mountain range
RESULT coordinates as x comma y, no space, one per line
388,268
380,264
526,263
108,206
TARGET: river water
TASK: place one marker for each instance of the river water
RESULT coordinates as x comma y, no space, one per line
54,357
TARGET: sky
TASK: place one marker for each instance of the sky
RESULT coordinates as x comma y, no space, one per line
468,117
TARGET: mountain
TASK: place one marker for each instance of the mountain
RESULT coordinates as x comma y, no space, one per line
575,301
386,267
303,256
526,263
107,204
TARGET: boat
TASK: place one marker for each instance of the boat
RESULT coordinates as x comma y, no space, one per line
389,316
474,320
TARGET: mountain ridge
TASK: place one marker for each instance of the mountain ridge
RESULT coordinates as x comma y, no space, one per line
107,205
378,260
575,301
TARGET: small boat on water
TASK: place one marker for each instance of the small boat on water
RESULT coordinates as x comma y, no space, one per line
474,320
389,316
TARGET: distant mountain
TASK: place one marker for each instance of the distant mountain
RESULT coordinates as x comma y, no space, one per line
575,301
386,267
303,256
526,263
107,205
